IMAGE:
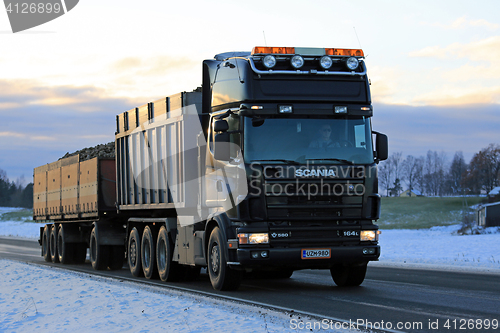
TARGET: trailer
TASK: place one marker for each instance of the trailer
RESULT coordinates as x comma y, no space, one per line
268,168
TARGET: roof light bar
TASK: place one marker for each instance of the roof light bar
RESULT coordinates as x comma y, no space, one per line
345,52
273,50
291,50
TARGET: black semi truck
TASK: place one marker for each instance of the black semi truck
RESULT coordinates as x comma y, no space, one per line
269,167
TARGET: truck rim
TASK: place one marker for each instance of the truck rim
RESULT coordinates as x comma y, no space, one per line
215,258
133,252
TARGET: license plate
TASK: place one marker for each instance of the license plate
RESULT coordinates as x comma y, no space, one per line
316,254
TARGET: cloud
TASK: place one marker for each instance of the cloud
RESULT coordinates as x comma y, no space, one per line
41,123
19,93
415,130
487,49
464,23
152,66
464,73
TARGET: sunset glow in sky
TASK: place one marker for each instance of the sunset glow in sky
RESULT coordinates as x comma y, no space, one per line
434,66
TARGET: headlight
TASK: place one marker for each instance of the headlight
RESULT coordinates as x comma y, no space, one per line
269,61
326,62
352,63
368,235
297,61
253,238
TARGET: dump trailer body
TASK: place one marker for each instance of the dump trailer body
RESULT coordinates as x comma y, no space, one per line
70,189
156,154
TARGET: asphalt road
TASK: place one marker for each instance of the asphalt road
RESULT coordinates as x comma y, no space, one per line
406,300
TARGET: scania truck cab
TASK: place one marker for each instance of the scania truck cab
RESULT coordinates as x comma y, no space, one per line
301,118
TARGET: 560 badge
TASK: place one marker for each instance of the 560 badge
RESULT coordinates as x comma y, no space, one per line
26,14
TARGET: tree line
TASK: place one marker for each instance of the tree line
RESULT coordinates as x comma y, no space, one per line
15,194
434,175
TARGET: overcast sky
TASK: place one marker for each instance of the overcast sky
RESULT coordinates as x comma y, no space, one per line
434,66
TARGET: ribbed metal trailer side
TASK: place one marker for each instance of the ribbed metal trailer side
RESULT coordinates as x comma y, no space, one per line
154,154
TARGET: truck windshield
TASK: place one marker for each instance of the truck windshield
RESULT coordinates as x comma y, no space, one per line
322,141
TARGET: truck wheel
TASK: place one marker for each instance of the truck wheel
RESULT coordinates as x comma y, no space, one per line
222,276
80,253
168,270
46,243
348,276
54,257
117,255
98,253
148,250
134,253
64,250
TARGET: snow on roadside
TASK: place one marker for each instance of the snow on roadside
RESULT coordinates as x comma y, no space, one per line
435,248
35,298
440,248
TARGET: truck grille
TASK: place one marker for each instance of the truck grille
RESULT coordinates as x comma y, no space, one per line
315,199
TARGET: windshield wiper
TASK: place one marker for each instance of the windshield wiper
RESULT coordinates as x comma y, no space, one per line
330,159
279,160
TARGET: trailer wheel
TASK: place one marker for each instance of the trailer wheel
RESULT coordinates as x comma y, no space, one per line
222,276
168,270
348,276
148,250
98,253
64,250
134,253
54,257
46,243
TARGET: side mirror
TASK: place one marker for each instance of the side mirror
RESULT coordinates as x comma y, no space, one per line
256,122
221,146
221,126
381,146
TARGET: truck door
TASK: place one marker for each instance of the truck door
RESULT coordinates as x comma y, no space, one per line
213,182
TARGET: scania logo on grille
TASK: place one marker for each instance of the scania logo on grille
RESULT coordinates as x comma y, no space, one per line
314,173
281,234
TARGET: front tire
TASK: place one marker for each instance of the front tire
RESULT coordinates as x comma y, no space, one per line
348,276
221,275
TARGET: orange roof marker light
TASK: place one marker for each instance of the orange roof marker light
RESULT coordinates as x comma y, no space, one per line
273,50
324,51
345,52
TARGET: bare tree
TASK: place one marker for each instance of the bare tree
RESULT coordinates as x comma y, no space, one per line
385,175
456,174
484,169
412,167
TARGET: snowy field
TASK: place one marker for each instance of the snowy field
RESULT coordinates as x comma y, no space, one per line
30,299
34,298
